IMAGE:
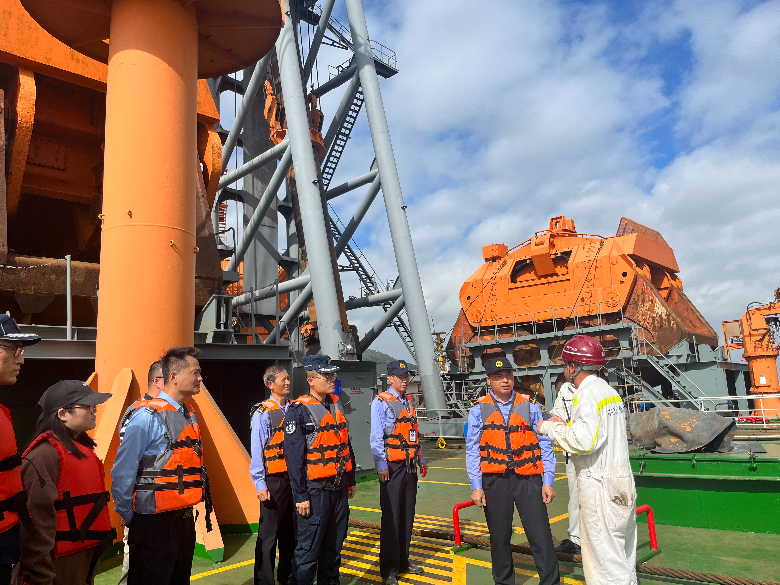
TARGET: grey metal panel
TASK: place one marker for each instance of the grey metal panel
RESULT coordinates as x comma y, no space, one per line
357,382
226,351
56,349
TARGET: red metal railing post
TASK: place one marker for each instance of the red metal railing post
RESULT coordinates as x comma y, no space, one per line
650,524
456,519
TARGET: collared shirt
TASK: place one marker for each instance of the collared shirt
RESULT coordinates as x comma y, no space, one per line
144,435
475,432
295,452
381,417
261,432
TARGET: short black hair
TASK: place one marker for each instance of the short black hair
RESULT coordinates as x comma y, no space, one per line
175,359
155,371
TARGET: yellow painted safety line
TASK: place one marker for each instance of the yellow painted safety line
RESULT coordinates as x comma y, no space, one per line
443,482
450,468
372,577
421,578
430,570
520,571
222,570
436,549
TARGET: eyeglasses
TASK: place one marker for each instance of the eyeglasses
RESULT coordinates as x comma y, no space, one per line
18,351
83,407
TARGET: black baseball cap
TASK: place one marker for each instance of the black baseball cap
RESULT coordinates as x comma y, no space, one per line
399,368
319,363
497,364
10,330
67,392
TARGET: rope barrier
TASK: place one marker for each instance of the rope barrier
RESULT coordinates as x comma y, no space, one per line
526,550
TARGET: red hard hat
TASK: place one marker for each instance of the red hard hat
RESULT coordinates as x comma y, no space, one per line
585,350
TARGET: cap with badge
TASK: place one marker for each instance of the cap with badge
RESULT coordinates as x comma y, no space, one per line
319,363
68,392
497,364
399,368
10,331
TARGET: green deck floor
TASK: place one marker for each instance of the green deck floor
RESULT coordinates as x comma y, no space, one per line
713,551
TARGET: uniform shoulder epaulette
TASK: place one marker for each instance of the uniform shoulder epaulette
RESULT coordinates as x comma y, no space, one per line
294,403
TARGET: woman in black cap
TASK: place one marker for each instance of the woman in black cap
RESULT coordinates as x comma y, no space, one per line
67,497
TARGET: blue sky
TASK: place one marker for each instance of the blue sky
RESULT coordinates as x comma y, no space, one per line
507,113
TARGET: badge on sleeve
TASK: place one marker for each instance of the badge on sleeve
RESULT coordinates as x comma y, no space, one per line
289,427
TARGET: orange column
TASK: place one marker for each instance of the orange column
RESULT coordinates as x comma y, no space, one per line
147,264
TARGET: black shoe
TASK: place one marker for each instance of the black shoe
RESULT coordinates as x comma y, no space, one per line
391,580
413,570
567,546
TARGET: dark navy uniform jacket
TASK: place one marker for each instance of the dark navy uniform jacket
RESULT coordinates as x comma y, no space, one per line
295,454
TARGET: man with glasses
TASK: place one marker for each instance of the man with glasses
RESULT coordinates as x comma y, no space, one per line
395,445
321,467
13,498
509,466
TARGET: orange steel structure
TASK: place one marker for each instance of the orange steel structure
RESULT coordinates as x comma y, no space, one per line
560,275
155,51
756,334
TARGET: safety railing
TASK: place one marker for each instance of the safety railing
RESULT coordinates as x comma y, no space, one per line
650,524
456,519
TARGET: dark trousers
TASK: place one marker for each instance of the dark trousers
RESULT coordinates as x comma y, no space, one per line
502,494
161,548
397,498
277,524
10,551
320,537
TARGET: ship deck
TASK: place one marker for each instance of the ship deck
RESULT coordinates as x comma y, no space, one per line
737,554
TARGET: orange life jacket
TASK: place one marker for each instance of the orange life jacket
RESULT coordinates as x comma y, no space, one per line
82,501
176,477
327,446
402,440
12,495
273,450
508,446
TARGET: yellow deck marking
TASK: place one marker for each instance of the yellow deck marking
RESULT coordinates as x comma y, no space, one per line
451,468
430,570
421,578
520,571
443,482
222,570
458,570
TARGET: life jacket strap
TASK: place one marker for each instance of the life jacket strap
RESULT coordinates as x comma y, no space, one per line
18,503
10,462
503,451
502,427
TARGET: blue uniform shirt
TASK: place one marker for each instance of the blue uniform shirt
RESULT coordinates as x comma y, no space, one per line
381,417
144,435
261,431
475,430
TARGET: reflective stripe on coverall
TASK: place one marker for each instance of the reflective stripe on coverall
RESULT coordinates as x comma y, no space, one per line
596,437
562,408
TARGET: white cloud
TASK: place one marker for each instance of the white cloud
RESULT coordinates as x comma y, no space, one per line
502,117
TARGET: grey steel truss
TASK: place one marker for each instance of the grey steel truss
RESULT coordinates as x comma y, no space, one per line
305,207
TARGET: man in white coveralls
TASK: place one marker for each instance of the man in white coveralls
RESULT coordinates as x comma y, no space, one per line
596,438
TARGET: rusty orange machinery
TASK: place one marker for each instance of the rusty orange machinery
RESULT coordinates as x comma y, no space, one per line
560,275
108,113
757,334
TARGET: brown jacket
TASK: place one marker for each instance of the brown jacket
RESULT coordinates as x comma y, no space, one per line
38,565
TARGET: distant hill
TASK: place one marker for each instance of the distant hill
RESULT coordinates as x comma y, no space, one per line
381,359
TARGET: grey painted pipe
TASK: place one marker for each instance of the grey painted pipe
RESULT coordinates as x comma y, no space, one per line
272,290
336,81
292,313
430,377
313,218
373,300
360,213
322,26
254,164
382,324
351,185
258,75
68,300
259,213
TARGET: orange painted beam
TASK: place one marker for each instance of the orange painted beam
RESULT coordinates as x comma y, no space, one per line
25,114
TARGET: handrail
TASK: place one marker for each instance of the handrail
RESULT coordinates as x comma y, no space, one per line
650,525
456,519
